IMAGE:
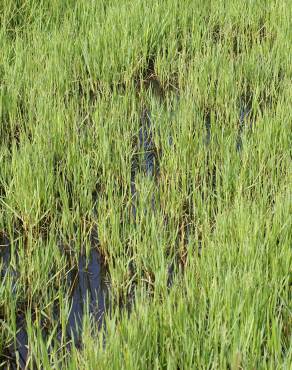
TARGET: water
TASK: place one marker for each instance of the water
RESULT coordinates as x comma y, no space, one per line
208,128
88,289
4,254
87,284
19,351
245,120
145,160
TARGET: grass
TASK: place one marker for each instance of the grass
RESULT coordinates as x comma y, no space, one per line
202,279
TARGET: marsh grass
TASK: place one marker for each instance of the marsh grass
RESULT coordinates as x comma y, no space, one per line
195,251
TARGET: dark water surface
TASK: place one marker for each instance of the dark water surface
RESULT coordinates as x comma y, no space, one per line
86,288
245,121
145,158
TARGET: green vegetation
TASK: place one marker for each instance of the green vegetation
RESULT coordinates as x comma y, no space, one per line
201,278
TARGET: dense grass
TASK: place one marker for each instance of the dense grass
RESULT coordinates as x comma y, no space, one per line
205,265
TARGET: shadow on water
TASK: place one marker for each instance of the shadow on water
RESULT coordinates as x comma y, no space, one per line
208,128
19,350
86,290
245,121
146,142
145,159
4,254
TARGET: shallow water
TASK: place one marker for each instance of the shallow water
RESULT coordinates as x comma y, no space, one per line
87,287
146,143
208,128
19,350
4,255
245,120
145,159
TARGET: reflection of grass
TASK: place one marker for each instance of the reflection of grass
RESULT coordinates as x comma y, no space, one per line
74,79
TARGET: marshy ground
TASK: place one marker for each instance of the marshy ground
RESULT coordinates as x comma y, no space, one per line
145,184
